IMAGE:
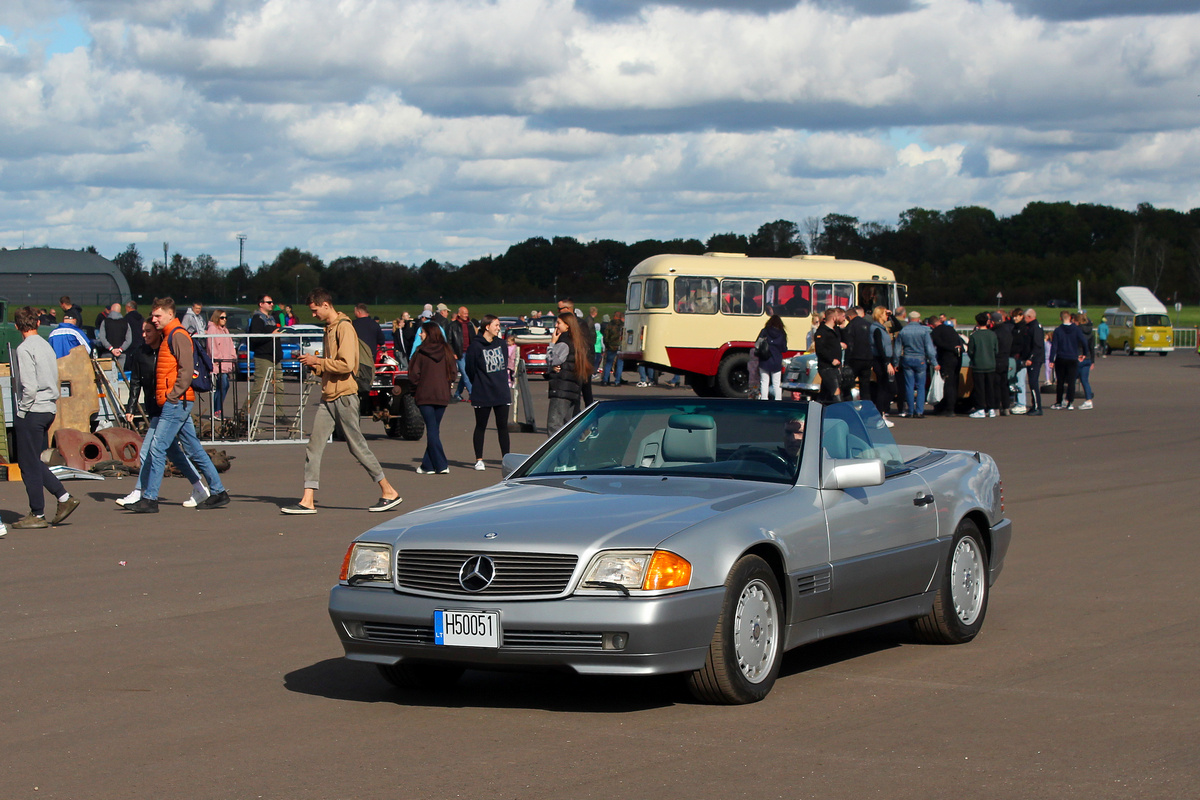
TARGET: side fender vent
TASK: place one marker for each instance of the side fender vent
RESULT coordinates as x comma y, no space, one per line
815,583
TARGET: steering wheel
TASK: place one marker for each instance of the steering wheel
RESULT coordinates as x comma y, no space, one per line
762,455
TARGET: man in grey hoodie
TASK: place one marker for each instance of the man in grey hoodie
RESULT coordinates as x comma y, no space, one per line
37,402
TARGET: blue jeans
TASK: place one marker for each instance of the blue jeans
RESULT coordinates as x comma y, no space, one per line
914,384
435,457
1085,371
463,382
174,452
611,356
220,387
176,424
647,375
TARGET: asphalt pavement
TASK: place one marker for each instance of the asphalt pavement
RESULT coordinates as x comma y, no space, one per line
188,654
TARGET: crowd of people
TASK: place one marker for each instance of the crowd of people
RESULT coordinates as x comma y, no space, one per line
908,365
904,364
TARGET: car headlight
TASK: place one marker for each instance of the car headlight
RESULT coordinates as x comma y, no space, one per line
646,570
367,562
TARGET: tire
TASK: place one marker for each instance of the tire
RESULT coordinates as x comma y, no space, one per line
701,386
962,596
406,422
1128,348
747,646
733,376
1164,355
427,675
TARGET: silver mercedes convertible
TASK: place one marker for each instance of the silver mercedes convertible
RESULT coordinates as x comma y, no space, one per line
697,536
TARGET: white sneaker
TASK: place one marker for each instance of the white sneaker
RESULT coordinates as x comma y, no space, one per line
642,384
423,471
130,498
888,423
1085,405
445,471
198,495
1018,410
980,414
480,466
993,413
1069,407
1057,407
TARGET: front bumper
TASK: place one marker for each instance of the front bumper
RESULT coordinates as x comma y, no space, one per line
666,634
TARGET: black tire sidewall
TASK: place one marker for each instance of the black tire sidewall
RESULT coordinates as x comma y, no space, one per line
747,569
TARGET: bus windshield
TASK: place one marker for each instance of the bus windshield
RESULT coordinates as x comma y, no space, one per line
1152,321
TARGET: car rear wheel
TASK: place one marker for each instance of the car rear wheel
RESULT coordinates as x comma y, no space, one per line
421,674
747,646
962,596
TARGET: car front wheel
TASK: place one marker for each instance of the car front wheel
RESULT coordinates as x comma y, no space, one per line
747,646
962,596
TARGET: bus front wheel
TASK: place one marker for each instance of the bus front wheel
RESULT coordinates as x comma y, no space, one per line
733,376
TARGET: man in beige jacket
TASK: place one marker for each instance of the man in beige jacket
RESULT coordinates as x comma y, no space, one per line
339,405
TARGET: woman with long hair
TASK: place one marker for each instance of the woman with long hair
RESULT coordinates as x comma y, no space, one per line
567,360
224,356
881,358
486,364
770,369
432,371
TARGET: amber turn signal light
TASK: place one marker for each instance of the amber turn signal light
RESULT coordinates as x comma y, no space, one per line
667,571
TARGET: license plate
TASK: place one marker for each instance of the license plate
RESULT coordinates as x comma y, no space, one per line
466,628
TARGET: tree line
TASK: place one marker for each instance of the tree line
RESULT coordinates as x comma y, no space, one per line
965,256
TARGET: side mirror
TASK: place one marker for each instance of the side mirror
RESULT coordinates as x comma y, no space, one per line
851,473
510,462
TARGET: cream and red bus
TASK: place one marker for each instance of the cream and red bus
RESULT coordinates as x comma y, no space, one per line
699,315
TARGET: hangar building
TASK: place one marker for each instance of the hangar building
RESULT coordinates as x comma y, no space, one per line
38,276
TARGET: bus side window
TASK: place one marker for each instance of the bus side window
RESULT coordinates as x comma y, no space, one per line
634,301
741,297
657,293
790,298
696,295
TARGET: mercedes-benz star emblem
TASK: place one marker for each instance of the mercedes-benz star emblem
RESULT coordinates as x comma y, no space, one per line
477,573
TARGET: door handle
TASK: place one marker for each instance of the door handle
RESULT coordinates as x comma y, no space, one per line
924,500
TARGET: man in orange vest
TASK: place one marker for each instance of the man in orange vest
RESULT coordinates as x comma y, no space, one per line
174,393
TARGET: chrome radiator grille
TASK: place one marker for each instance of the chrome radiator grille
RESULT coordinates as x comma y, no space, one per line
515,573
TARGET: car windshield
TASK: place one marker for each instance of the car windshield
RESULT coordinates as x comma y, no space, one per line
737,439
1152,321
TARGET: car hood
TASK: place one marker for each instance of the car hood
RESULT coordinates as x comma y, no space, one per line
570,515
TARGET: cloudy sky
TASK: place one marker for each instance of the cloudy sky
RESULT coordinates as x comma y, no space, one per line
449,129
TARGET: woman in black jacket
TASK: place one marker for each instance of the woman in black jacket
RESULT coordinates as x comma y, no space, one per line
432,370
487,367
567,360
770,369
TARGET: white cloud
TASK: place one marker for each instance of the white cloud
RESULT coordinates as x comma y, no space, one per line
438,128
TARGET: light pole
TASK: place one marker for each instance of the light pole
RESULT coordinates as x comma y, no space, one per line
297,288
241,237
165,246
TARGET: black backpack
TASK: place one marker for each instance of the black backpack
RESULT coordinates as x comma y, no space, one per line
202,365
762,346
